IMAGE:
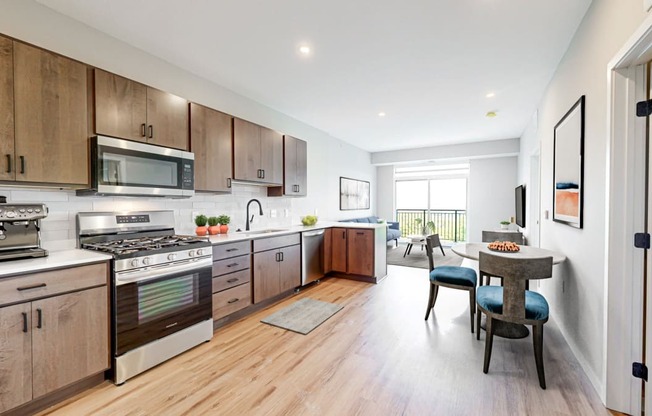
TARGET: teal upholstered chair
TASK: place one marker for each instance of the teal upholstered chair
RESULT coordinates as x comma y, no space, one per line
512,302
454,277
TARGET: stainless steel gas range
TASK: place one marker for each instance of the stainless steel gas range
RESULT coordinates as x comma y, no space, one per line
161,297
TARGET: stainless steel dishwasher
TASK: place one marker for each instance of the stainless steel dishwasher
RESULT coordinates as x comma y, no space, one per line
312,256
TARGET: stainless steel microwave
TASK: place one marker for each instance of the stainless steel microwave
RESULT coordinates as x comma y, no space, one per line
124,167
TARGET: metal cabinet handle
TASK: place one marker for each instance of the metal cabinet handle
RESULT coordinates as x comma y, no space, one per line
278,256
232,280
234,300
344,234
282,256
22,164
24,322
143,127
263,170
8,163
228,182
36,286
151,131
231,249
360,233
232,264
39,313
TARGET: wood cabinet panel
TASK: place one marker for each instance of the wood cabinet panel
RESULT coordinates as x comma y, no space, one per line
51,125
263,244
289,165
120,106
265,275
271,155
73,339
338,250
211,142
302,168
15,356
231,265
290,268
230,280
328,250
225,251
7,165
231,300
360,252
246,150
167,119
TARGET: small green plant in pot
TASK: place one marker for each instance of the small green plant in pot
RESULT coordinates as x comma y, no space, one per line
504,225
224,221
213,227
200,222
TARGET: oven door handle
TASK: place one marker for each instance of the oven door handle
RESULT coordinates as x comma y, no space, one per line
137,276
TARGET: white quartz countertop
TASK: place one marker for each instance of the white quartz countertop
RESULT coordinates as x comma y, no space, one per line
55,260
233,236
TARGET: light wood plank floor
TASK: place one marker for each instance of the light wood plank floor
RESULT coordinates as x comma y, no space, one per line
375,357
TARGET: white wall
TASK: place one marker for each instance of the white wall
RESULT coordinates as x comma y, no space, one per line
328,157
386,192
491,194
576,292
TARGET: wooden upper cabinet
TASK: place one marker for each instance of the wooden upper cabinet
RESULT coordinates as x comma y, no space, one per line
210,141
6,110
360,252
257,153
295,154
338,250
120,107
51,117
130,110
16,353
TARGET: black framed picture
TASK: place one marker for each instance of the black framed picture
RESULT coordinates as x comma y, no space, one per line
568,167
354,194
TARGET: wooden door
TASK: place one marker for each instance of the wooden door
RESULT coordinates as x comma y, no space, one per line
338,252
167,119
7,166
328,250
302,168
271,155
290,268
73,340
289,165
210,141
360,252
51,110
120,107
15,356
266,275
246,150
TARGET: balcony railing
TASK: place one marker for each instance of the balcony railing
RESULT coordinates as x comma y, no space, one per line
450,224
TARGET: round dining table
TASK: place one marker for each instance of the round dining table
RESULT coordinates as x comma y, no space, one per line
472,251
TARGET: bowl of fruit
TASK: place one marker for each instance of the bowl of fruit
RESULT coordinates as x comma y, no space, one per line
504,246
309,220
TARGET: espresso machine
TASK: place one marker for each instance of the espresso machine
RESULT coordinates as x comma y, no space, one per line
20,230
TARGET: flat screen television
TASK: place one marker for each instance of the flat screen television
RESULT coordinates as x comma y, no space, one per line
520,205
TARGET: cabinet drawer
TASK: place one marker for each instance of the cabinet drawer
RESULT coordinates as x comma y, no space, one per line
276,242
230,280
43,284
228,301
224,251
231,265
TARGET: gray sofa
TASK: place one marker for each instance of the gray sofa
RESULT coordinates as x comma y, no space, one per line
393,231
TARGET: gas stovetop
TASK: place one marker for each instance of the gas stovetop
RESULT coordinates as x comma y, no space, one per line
147,245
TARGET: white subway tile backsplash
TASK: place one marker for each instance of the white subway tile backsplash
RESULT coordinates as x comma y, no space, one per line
38,196
57,225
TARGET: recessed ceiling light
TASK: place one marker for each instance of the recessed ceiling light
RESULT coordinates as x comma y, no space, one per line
491,114
381,114
304,50
491,94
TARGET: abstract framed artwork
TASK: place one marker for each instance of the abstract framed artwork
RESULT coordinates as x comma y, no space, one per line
354,194
568,167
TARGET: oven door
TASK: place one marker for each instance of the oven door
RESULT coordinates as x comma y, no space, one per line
123,167
152,304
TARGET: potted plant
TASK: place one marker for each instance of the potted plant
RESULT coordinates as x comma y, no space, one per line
504,225
213,228
430,225
200,221
224,220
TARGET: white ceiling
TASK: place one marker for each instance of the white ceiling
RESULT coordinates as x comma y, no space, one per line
428,64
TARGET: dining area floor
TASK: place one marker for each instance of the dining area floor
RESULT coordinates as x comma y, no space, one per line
377,356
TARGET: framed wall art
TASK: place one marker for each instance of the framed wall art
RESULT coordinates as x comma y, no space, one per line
354,194
568,167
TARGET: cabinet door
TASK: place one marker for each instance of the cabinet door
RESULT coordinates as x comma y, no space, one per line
266,272
15,356
360,252
167,119
302,168
290,181
338,251
73,339
210,141
290,268
271,155
120,107
328,250
246,150
7,168
51,110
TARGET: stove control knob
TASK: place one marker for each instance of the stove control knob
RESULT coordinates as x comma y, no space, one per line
37,210
10,214
200,252
191,253
30,210
147,261
172,256
135,263
22,210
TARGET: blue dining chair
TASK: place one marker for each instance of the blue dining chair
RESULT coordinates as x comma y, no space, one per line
454,277
512,303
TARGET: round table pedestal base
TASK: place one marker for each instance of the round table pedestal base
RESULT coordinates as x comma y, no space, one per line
507,330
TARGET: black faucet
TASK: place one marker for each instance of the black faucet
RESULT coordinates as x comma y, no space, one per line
249,220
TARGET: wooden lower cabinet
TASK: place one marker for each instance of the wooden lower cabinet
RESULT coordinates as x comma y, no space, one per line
231,278
360,252
338,250
290,268
276,271
231,300
52,342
